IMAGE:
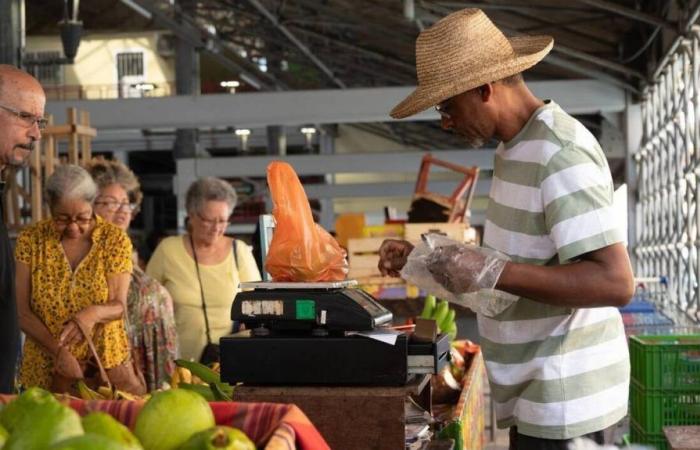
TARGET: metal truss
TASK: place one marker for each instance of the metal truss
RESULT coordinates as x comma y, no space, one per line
668,167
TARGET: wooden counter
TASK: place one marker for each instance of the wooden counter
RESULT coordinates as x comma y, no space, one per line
349,418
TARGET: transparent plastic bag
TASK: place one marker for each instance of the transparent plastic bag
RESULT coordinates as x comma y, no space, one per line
459,273
301,250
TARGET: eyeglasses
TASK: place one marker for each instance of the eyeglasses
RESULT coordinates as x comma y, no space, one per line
28,118
64,221
114,205
441,108
212,223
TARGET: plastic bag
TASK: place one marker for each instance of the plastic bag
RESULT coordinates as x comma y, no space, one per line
420,270
300,249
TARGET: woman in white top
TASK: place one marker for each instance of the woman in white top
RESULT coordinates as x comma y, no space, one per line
199,267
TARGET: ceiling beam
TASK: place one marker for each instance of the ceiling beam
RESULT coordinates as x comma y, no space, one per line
362,163
631,13
306,107
300,45
212,45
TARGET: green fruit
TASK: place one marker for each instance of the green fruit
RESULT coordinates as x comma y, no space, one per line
169,418
451,331
30,399
441,311
41,421
428,307
449,318
88,442
225,438
102,424
3,435
199,370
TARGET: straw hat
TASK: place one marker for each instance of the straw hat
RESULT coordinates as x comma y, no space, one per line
463,51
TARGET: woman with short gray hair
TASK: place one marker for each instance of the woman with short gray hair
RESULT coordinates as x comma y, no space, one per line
72,272
203,268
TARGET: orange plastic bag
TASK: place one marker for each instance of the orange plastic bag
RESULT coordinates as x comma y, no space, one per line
300,249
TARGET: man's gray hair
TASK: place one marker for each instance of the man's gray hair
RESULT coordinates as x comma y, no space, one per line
209,189
69,182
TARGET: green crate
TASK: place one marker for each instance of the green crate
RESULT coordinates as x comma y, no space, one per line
655,409
666,362
638,436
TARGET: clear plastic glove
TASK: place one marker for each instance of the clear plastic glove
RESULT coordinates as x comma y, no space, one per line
458,272
460,268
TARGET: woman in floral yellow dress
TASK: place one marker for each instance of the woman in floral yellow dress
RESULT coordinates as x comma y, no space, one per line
72,267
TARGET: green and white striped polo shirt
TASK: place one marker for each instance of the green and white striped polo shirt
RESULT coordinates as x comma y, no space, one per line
555,372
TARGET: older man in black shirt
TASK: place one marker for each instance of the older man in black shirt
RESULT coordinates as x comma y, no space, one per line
22,102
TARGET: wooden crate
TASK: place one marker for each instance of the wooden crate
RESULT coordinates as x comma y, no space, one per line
363,257
456,231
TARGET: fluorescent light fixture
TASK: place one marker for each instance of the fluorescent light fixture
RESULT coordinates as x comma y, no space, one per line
308,130
145,86
242,132
230,84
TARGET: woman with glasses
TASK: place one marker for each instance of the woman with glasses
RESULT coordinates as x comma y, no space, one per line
203,268
72,268
151,321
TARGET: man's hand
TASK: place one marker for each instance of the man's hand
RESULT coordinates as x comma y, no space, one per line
67,365
462,268
393,255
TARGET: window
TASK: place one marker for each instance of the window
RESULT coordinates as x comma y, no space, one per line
129,64
45,71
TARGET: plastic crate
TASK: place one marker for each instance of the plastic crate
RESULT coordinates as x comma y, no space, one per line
666,362
638,436
654,409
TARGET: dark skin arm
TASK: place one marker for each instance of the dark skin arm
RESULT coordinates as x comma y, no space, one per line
600,278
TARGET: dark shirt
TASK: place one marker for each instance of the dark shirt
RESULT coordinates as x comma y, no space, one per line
9,327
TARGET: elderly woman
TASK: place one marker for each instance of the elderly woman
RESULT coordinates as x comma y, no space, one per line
72,268
202,269
151,321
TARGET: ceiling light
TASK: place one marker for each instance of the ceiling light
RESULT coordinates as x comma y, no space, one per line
242,132
308,130
230,83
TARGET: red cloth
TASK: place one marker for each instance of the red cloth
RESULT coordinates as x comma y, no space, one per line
271,426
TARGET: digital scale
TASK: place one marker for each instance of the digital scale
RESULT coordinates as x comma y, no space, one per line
321,334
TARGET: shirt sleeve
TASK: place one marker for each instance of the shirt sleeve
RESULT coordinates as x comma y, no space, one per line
118,250
247,267
577,194
23,248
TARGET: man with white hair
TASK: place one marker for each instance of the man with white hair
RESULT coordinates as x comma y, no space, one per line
557,358
22,102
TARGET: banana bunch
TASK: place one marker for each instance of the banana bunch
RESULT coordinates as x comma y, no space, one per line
442,314
201,379
105,393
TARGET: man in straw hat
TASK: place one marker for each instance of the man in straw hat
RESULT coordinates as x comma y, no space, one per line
557,358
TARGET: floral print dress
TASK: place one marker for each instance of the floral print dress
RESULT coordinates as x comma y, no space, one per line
151,328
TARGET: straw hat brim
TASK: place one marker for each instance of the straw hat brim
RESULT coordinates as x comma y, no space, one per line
527,51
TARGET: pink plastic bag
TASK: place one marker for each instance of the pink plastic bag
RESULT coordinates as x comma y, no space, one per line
300,249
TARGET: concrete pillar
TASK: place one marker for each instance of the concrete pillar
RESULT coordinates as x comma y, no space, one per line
276,140
11,31
326,137
186,83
